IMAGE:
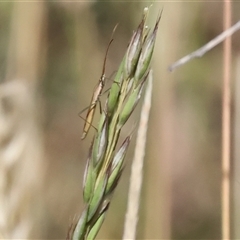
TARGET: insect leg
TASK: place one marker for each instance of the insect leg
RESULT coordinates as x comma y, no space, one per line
84,119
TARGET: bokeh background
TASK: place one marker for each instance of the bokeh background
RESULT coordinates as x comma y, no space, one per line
51,56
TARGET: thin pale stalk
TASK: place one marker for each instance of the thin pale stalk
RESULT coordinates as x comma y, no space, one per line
226,125
236,152
207,47
131,218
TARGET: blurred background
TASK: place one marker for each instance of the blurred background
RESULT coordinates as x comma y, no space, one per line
51,56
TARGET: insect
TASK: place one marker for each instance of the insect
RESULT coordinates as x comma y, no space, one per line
95,97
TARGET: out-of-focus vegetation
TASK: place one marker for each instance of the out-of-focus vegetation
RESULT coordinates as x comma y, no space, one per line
57,49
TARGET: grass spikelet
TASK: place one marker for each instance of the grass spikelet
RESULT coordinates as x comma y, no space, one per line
105,163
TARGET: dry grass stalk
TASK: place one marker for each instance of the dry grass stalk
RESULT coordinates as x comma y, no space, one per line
131,218
236,153
226,125
105,163
207,47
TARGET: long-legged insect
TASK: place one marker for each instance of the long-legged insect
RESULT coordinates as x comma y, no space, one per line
95,97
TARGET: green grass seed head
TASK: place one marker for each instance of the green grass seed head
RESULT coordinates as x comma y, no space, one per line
105,163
